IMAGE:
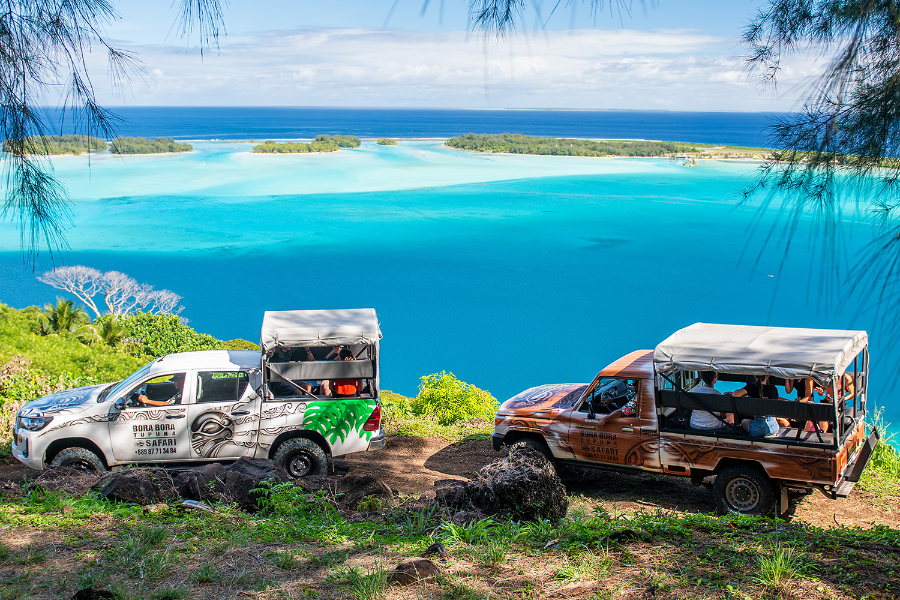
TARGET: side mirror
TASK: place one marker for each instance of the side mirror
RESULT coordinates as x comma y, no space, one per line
119,404
591,413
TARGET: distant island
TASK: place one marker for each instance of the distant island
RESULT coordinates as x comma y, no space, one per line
55,144
516,143
386,142
139,145
322,143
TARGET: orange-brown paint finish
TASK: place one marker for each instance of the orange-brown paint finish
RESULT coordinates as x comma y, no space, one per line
634,441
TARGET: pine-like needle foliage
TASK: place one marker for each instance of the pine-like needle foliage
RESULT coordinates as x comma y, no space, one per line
845,141
43,49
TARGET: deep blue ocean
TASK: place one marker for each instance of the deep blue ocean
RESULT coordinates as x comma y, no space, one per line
205,123
510,271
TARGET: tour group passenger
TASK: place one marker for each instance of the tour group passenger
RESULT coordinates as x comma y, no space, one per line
702,420
178,382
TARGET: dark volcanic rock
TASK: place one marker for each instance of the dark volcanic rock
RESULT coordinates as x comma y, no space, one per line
413,571
200,483
452,496
70,480
523,485
234,483
436,548
356,487
141,486
90,593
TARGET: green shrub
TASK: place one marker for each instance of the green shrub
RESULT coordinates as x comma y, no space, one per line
59,355
19,383
158,335
238,344
386,142
450,400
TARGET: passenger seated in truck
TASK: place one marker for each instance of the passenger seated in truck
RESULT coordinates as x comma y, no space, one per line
805,387
178,382
282,354
344,388
702,420
627,410
761,426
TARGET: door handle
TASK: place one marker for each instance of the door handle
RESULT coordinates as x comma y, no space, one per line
585,427
240,413
175,417
628,429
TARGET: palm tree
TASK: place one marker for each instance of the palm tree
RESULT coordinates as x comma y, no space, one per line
110,329
63,317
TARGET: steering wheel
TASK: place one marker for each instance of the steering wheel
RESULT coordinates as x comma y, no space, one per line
134,397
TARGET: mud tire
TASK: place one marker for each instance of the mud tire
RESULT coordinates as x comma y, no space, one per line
79,458
300,457
534,444
744,490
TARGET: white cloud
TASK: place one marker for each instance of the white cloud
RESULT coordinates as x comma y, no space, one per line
620,69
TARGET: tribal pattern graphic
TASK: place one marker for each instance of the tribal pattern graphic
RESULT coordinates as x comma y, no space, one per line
547,396
210,431
283,410
151,415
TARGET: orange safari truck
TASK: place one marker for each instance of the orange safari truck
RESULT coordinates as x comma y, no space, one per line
796,425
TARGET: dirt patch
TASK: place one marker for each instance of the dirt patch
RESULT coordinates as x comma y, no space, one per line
411,465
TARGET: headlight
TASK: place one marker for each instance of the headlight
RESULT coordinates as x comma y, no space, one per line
34,423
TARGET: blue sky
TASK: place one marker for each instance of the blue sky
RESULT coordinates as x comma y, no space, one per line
664,55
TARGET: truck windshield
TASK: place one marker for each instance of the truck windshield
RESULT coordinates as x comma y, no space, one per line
126,383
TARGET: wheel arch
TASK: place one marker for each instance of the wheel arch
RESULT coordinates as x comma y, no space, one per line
57,446
301,433
515,435
728,461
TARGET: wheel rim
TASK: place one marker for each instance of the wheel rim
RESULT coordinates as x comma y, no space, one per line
300,465
742,494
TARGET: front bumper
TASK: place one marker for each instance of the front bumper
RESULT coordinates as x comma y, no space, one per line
378,440
23,450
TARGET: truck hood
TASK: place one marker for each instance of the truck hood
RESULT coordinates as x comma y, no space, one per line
557,395
69,401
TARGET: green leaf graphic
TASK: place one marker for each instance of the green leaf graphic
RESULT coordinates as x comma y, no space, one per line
336,419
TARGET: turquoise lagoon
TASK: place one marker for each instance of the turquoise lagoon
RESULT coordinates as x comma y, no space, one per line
510,271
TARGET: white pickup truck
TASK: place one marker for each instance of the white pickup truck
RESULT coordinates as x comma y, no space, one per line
310,395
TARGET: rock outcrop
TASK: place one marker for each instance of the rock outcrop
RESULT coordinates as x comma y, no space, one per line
414,571
523,485
143,486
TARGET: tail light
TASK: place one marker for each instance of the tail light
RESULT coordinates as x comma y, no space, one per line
374,421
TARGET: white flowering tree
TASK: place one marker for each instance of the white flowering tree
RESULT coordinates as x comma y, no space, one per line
121,293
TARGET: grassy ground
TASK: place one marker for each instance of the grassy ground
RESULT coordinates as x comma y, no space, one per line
303,547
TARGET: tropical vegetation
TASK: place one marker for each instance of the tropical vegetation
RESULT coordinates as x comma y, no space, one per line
322,143
449,400
58,348
57,144
139,145
516,143
386,142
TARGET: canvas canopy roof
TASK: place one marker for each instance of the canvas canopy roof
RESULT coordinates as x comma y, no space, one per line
304,328
751,350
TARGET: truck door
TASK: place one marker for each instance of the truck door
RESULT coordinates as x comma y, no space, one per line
224,418
143,432
628,439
